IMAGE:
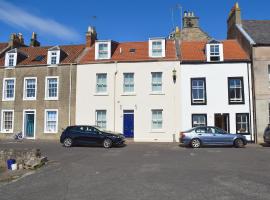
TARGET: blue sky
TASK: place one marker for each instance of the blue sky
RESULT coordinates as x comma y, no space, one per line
66,21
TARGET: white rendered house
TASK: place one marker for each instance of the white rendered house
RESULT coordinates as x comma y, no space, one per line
132,88
215,87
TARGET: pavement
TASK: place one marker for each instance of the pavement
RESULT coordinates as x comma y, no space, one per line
144,171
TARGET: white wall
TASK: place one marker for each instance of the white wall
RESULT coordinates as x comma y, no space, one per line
142,102
216,75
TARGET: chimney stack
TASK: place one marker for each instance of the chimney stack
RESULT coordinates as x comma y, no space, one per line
190,20
91,36
16,40
34,42
233,19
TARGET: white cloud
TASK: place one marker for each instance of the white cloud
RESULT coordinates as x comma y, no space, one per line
13,15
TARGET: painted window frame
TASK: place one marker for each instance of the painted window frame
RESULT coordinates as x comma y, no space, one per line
248,123
2,121
210,54
56,56
242,91
204,100
157,120
129,84
4,98
45,121
198,114
25,89
163,47
101,84
97,50
158,84
47,89
97,121
7,60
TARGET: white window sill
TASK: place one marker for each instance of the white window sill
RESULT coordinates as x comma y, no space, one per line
7,131
53,65
8,99
30,99
157,93
51,99
157,131
161,56
9,67
101,94
129,94
48,132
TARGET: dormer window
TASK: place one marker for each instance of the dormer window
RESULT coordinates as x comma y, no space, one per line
214,51
53,56
157,48
11,58
103,50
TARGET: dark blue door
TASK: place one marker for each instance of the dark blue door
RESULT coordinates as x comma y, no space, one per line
129,123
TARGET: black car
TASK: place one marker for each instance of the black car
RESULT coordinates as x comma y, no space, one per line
90,135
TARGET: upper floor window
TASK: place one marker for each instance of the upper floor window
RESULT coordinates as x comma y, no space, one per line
101,86
198,91
30,87
156,81
128,85
11,58
51,92
214,50
103,50
8,89
157,48
53,56
236,90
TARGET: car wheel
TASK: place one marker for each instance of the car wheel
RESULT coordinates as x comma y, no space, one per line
239,143
107,143
195,143
67,142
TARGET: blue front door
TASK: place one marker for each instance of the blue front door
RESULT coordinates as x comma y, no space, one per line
128,121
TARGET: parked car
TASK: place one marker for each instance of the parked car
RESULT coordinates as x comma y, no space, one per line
266,134
90,135
209,135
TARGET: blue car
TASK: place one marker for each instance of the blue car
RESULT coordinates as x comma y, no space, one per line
209,135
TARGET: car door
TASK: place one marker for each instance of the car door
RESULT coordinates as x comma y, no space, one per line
94,136
80,135
204,135
221,137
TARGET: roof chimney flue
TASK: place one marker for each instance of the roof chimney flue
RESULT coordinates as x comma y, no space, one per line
34,42
16,40
91,36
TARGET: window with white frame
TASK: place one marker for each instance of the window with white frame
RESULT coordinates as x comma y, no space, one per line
103,50
101,85
198,91
53,57
157,47
101,119
128,85
242,123
11,58
11,61
30,87
156,81
52,88
9,89
199,120
157,120
7,121
214,51
51,121
236,90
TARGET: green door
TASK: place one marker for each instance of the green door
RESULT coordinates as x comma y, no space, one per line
29,124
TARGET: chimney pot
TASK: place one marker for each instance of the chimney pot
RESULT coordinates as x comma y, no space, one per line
91,36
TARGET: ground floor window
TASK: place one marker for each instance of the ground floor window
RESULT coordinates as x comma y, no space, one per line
51,121
101,119
199,120
242,123
157,120
7,121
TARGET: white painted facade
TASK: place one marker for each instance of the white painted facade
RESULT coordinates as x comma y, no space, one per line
216,76
142,101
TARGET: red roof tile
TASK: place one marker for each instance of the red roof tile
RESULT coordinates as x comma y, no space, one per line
3,46
194,51
69,54
140,54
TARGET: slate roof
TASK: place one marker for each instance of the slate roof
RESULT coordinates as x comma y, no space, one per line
28,55
138,54
258,30
194,51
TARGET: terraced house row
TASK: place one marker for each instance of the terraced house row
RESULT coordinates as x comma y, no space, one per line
148,90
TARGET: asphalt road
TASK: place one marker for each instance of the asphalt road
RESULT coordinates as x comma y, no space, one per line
144,171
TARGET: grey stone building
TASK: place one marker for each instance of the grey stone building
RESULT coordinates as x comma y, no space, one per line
38,88
254,37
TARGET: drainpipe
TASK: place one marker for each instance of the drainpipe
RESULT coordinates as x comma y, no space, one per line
249,99
69,96
114,96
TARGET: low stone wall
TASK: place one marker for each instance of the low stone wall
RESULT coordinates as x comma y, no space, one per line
20,155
